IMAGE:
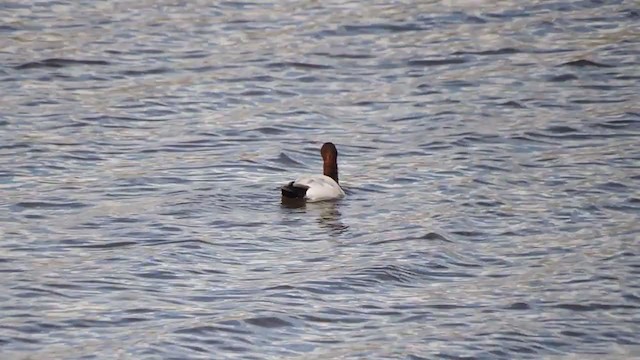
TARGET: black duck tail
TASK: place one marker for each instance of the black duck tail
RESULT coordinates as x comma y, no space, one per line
294,192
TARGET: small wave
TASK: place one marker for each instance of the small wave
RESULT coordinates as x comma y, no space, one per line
345,55
378,28
59,63
561,129
152,71
50,205
513,104
299,65
110,245
269,322
563,78
501,51
585,63
436,62
285,159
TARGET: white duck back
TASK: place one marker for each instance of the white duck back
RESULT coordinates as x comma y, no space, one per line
320,187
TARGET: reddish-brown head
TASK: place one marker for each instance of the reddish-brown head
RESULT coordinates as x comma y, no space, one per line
330,157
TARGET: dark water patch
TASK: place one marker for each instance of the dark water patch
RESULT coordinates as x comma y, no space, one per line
435,146
8,28
513,104
486,203
269,322
149,51
15,145
633,201
59,63
20,339
518,306
378,104
270,130
343,285
563,78
72,124
627,77
573,333
40,102
255,92
151,71
598,101
111,245
429,237
284,287
425,86
593,307
482,181
490,167
561,129
430,21
602,87
388,273
35,216
465,139
82,156
579,136
91,323
457,84
47,205
158,274
239,5
65,286
305,79
378,28
619,124
507,14
631,297
299,65
586,63
423,90
436,62
612,186
334,317
501,51
195,54
123,220
622,207
631,13
469,233
205,69
415,357
291,113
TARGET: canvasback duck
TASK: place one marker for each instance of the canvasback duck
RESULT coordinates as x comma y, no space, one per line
312,188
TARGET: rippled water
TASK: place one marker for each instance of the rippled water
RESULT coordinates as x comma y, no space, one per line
489,150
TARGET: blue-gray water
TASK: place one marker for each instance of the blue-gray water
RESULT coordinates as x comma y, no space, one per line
490,151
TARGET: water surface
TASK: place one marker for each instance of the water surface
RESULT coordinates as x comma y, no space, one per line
489,150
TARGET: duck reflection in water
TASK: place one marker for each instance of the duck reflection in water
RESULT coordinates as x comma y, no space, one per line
327,213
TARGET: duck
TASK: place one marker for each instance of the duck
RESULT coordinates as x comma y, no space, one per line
314,188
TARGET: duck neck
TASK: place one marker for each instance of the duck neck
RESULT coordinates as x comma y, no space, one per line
330,169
